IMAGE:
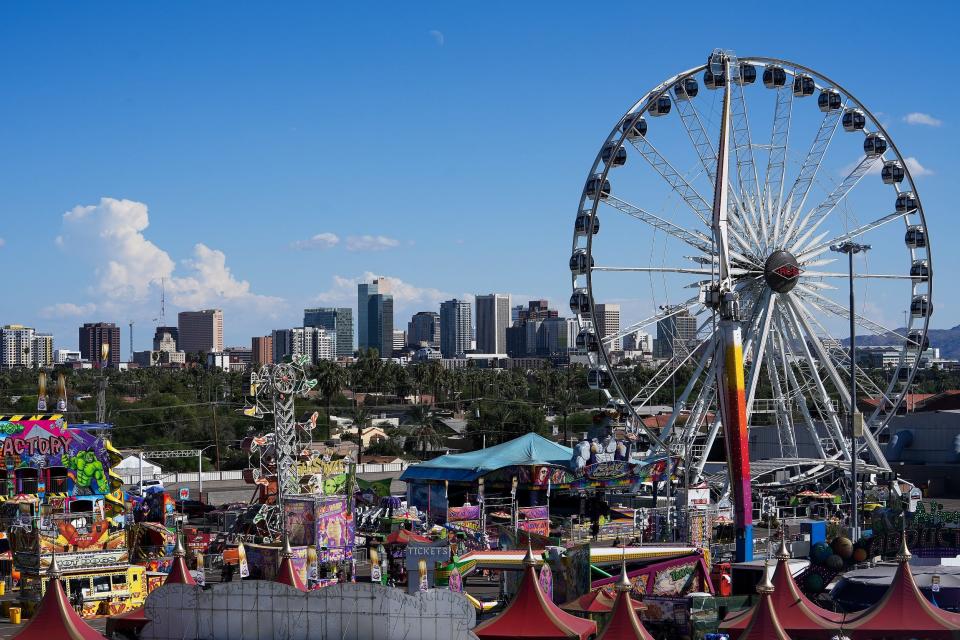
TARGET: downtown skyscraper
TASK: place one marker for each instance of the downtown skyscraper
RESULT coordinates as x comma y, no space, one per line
493,318
375,317
337,321
455,328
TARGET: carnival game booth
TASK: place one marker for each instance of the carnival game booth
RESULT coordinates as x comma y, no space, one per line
61,496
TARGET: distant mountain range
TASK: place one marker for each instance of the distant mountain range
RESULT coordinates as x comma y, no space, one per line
947,340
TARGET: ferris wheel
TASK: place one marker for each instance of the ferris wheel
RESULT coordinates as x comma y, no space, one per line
811,172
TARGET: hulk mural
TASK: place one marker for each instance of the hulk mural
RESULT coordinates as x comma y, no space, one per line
90,476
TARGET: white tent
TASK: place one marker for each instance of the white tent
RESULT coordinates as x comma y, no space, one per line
131,466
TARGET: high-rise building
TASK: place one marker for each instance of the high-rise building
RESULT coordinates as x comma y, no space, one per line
493,318
200,331
375,316
556,336
164,340
22,346
336,320
64,356
515,313
455,328
525,338
313,342
608,323
638,341
261,350
399,340
423,330
93,335
676,334
163,335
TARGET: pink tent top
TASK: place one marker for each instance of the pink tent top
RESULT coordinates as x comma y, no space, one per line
532,615
55,618
624,624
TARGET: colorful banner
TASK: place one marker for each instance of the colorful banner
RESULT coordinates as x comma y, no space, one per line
264,561
46,455
534,519
370,491
300,521
467,512
676,580
335,529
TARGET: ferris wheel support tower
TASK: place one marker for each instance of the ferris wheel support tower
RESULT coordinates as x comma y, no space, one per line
721,296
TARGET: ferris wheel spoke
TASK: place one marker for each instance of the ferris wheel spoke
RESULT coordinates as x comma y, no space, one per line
708,357
772,195
797,196
857,276
691,121
668,312
743,149
797,316
842,359
792,381
669,369
788,444
826,304
702,272
676,181
819,247
815,217
769,303
696,239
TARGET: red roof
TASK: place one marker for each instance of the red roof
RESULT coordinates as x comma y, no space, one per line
593,602
795,611
765,623
179,574
534,616
56,619
903,612
287,574
402,536
624,623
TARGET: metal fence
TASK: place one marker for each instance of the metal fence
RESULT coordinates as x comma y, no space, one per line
132,476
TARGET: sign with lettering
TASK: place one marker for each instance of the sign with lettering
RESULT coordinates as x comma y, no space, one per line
432,553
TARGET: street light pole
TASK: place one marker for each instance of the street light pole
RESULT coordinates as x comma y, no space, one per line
852,248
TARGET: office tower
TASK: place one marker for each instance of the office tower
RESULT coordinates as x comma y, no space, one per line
42,353
163,340
22,346
676,334
282,342
165,335
399,340
336,320
608,323
515,313
423,330
493,318
556,336
455,328
93,335
200,331
365,291
261,348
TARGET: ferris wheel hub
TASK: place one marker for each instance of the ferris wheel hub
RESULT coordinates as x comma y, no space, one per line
781,271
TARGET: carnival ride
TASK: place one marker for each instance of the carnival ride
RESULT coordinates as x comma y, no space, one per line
758,260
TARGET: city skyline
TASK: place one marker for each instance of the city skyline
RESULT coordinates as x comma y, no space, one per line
246,204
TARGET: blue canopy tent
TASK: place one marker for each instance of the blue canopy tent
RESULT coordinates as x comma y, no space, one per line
529,449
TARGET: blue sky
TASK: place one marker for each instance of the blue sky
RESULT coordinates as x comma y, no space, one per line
272,156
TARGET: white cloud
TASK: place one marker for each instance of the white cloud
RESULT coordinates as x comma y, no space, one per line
67,309
917,169
370,243
922,119
437,36
325,240
128,267
406,296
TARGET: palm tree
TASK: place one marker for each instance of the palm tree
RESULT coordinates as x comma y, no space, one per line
427,431
331,379
361,416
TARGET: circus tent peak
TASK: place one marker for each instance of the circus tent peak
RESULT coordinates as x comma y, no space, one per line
532,615
55,617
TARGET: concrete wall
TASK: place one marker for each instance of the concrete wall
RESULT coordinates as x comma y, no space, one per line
259,610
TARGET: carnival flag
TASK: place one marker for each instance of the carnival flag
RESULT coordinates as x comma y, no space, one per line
242,558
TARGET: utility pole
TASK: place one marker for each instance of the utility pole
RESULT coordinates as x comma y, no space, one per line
854,417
